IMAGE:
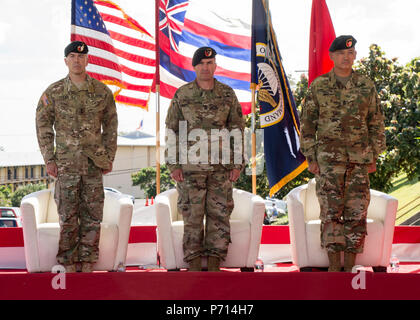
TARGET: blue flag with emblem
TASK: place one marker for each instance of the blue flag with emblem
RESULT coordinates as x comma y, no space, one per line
278,114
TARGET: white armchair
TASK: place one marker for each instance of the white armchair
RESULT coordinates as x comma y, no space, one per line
41,231
303,208
246,226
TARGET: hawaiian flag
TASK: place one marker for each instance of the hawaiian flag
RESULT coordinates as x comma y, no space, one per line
185,26
278,115
121,51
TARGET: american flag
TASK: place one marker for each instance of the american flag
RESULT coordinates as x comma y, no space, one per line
186,25
121,52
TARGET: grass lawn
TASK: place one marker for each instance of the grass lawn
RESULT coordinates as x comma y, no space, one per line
408,195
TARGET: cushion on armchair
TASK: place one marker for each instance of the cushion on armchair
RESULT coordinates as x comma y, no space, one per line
41,231
246,227
303,209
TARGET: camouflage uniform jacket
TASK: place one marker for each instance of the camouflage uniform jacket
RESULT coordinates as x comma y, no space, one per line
342,124
85,124
204,110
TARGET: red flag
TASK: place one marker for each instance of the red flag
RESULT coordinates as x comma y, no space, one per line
321,36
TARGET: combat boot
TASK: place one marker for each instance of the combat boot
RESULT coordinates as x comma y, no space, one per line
195,264
71,268
87,267
349,261
213,264
335,261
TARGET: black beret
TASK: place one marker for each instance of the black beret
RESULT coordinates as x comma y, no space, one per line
203,53
76,46
343,42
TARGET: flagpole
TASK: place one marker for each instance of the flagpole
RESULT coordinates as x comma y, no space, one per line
253,142
157,84
253,89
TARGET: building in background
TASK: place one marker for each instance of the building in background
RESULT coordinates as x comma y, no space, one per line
135,151
22,168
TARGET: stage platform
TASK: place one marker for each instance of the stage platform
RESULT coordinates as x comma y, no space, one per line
277,282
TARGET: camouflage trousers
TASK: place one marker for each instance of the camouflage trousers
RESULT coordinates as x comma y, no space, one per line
80,202
205,195
343,192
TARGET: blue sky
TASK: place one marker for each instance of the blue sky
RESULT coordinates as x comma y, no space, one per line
33,35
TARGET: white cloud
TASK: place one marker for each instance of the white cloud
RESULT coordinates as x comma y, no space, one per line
4,31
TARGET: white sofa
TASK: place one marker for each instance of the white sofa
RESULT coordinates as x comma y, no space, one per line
303,209
41,231
246,226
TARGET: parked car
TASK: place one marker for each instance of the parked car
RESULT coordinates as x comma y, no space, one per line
10,217
9,212
10,222
274,208
119,192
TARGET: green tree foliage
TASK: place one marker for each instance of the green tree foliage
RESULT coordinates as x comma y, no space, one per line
5,192
146,180
300,92
245,181
22,191
399,89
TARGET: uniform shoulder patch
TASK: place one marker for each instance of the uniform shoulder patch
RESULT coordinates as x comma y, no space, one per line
44,99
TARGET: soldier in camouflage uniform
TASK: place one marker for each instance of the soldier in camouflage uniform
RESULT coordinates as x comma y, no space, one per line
342,135
204,186
79,113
